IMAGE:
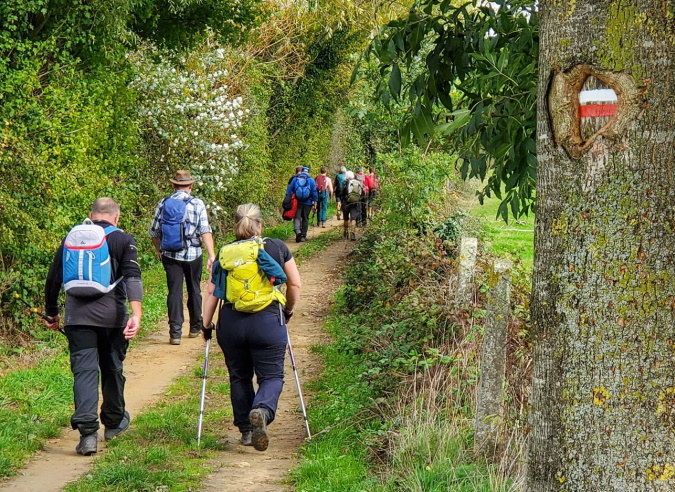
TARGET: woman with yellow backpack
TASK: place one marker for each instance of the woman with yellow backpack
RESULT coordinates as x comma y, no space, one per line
251,328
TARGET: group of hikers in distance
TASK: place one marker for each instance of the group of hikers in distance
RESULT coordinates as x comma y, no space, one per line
97,267
355,195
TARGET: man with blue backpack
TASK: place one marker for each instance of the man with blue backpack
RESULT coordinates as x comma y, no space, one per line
306,194
179,226
97,265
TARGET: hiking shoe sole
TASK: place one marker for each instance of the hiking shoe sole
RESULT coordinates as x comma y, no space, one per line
259,437
116,431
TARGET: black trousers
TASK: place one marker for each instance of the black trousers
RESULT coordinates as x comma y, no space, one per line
93,348
176,271
253,344
301,221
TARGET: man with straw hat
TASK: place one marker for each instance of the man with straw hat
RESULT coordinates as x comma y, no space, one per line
179,226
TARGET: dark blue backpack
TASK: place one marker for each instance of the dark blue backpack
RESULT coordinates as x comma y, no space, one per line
174,213
302,190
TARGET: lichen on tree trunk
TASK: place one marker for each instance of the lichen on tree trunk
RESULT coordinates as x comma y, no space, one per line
603,393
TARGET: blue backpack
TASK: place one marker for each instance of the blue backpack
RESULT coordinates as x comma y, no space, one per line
174,213
301,188
87,270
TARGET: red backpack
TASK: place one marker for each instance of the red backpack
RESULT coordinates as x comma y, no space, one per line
321,183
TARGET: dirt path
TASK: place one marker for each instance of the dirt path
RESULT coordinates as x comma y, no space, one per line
152,365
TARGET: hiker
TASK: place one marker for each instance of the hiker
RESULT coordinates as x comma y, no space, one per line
251,328
179,226
352,196
97,323
324,189
304,188
361,177
373,184
298,170
339,183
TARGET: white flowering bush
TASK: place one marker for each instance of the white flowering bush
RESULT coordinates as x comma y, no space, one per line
191,118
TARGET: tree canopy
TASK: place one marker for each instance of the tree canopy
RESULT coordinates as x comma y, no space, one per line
466,77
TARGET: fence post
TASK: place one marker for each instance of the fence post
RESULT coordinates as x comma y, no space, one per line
468,246
493,361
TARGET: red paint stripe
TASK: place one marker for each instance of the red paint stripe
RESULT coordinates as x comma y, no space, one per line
597,110
87,247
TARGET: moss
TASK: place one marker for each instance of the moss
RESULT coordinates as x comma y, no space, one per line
623,32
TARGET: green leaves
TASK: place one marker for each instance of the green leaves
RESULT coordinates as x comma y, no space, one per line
470,74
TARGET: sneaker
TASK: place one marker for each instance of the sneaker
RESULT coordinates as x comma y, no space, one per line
259,437
88,444
194,334
303,239
352,236
116,431
174,341
247,438
323,225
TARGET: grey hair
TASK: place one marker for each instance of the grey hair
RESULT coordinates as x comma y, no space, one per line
343,169
105,206
247,221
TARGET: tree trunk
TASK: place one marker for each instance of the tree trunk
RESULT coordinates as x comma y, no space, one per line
603,392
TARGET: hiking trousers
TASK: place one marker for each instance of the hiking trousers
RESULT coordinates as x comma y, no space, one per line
253,343
176,271
301,220
93,348
322,207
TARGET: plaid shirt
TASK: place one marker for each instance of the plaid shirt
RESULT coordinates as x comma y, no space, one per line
196,224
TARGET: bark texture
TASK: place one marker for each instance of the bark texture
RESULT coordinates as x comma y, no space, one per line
603,392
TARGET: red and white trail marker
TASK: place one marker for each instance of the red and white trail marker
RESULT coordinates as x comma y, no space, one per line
597,105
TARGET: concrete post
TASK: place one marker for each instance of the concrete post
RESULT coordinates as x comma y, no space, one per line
468,246
493,362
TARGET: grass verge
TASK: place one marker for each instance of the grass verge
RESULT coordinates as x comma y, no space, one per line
37,399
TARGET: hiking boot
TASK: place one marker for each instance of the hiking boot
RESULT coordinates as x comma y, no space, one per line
174,341
88,444
195,334
111,432
345,233
303,239
247,438
298,238
323,224
339,215
259,438
352,236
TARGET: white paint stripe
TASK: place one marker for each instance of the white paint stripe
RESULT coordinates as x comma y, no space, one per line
598,95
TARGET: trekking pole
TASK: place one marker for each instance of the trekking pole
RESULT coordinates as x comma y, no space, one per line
201,403
36,311
297,383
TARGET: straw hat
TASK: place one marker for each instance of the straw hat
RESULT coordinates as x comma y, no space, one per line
182,178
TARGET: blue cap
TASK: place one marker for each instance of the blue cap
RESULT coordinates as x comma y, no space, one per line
360,169
305,169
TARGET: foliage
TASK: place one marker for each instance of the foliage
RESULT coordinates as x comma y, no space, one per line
468,74
182,23
192,120
415,187
451,228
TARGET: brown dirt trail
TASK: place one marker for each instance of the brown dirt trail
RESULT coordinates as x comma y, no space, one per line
152,365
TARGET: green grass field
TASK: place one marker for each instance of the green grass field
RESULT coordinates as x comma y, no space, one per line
514,240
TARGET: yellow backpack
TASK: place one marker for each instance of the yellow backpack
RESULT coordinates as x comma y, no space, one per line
247,286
